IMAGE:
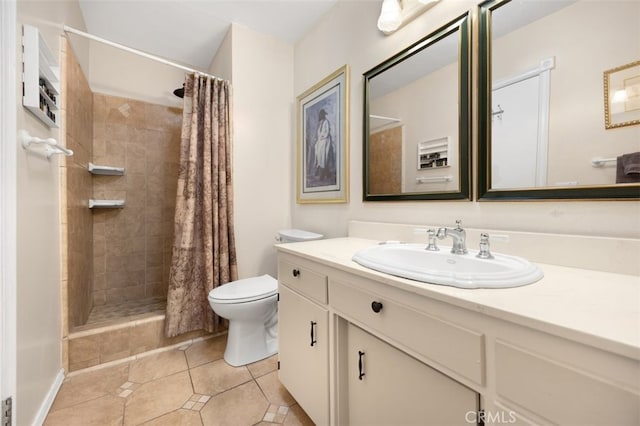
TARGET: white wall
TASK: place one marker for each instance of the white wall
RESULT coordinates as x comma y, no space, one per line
348,35
38,210
262,72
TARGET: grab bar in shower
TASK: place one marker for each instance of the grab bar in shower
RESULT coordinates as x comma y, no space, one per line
50,144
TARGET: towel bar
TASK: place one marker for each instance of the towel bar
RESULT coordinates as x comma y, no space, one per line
600,162
51,145
433,179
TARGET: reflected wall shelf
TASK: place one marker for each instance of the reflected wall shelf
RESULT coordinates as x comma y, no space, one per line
433,154
105,170
41,78
106,204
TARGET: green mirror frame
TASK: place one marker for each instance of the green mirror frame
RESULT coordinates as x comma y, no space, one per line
484,191
463,26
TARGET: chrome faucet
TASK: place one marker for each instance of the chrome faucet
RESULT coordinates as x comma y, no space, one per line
458,235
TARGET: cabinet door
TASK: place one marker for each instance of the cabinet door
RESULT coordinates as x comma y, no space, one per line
389,387
303,334
561,392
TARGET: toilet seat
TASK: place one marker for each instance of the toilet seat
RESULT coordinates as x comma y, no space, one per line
245,290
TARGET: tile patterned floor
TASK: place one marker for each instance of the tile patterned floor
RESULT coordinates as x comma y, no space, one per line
121,311
189,385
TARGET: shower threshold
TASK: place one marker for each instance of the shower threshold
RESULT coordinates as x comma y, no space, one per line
121,332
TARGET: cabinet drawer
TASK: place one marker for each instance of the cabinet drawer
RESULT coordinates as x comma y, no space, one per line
296,274
559,392
452,346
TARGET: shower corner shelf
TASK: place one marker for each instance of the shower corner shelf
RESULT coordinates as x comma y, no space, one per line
106,204
95,169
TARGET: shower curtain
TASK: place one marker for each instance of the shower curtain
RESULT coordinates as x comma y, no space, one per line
204,255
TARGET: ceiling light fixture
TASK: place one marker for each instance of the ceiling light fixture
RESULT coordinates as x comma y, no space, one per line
396,13
390,16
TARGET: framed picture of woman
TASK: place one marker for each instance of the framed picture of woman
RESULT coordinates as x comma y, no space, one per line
323,141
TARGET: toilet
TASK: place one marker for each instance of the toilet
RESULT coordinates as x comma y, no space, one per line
250,305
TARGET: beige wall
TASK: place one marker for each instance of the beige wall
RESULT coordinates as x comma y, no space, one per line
348,35
262,72
427,117
132,246
119,73
222,63
576,129
38,233
76,187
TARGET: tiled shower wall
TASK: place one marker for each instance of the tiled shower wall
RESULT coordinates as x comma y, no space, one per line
132,246
385,161
77,221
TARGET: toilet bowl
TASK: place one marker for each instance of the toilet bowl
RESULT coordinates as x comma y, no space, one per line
250,305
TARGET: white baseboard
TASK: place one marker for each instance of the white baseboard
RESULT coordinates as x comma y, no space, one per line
41,415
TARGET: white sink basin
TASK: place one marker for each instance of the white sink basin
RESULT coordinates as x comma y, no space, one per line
412,261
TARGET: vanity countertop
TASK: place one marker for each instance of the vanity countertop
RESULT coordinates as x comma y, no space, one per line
600,309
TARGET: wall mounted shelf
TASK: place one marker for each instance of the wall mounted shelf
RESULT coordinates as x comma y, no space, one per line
106,204
41,78
95,169
433,154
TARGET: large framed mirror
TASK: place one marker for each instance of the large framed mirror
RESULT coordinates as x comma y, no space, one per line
416,120
551,79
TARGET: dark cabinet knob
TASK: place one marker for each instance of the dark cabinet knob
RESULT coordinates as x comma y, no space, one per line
296,272
376,306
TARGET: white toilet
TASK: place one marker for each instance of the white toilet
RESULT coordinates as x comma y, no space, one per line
251,307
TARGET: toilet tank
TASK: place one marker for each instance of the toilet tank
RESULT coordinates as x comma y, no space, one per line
295,235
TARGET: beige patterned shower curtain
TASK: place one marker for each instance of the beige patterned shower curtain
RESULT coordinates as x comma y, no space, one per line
204,253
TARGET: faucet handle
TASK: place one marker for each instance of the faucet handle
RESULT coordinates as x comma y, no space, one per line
484,252
432,246
459,224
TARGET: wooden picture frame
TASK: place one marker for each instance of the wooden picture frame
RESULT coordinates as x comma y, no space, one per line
323,141
622,96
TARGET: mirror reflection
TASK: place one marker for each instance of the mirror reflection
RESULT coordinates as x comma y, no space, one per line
415,144
550,64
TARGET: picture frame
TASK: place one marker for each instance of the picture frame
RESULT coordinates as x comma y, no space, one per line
622,96
322,172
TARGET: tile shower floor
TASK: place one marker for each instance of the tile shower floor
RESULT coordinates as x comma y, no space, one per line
122,311
189,385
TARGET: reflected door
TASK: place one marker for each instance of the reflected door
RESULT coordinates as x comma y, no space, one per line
514,135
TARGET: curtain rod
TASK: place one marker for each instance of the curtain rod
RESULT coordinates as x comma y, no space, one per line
72,30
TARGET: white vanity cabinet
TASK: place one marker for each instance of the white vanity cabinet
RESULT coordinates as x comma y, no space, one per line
303,334
388,387
392,352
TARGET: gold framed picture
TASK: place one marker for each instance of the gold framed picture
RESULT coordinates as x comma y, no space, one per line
323,141
622,96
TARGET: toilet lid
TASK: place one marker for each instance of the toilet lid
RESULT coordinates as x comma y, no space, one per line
245,290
